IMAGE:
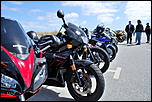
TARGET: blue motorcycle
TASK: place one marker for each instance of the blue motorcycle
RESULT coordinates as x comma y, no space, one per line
107,43
103,40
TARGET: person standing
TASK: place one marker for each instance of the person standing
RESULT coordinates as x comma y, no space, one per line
139,30
129,29
148,31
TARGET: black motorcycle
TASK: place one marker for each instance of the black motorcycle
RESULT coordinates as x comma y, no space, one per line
90,52
84,80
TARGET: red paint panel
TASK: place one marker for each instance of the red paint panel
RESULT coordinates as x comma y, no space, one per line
3,95
25,66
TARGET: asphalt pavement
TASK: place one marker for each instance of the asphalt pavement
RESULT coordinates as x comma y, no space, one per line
127,79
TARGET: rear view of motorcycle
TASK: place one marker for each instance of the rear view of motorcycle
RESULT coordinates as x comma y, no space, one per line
22,75
84,79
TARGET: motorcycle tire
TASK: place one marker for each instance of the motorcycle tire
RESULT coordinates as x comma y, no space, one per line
113,55
116,48
104,56
100,86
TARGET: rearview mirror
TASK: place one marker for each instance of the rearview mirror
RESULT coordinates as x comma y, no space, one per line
60,14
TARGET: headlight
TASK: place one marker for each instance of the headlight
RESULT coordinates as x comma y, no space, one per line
99,44
21,56
8,82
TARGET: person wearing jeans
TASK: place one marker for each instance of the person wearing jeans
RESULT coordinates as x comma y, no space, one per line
139,30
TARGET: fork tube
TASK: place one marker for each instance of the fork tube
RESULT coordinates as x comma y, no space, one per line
74,69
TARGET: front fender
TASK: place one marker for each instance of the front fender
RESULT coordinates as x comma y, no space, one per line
83,63
109,45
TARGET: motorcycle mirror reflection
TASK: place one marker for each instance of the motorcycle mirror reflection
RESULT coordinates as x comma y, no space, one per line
60,13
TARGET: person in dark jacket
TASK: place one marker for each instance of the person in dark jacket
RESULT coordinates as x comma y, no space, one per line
148,31
139,30
129,29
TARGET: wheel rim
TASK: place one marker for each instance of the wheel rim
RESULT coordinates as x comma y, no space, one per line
86,88
110,52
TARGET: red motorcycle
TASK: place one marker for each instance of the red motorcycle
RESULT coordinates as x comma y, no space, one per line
22,73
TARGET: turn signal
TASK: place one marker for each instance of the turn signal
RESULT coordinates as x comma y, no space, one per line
72,67
85,49
69,46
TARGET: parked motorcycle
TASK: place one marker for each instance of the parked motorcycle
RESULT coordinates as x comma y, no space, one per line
22,73
104,41
120,35
113,38
94,53
84,80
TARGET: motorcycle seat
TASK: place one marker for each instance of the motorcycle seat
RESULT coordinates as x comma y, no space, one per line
52,40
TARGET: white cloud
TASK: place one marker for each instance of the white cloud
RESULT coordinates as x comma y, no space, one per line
35,11
83,23
91,7
50,20
72,15
4,7
104,11
16,2
48,17
117,18
106,18
30,25
138,10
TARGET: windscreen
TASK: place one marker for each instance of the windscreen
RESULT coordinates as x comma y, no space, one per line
76,33
13,37
76,29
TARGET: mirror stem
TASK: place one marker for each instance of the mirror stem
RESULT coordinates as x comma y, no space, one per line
65,25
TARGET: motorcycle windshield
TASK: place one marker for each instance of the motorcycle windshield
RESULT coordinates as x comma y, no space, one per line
13,37
108,37
76,33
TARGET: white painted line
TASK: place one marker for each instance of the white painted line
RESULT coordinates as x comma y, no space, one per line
111,70
117,73
148,49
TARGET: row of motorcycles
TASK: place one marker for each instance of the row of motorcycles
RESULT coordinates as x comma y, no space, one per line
74,58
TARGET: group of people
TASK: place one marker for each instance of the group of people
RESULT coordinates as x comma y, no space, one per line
130,29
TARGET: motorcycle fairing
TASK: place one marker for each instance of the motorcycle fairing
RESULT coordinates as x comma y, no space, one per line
25,66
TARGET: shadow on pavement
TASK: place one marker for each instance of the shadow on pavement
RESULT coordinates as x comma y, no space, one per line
48,95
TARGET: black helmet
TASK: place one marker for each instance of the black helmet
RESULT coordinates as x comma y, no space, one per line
33,35
100,28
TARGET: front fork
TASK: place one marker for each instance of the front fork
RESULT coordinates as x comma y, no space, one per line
73,68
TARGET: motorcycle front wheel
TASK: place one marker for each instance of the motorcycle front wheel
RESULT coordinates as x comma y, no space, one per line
92,83
101,57
111,52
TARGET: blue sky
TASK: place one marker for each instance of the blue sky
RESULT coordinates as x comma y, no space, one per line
41,16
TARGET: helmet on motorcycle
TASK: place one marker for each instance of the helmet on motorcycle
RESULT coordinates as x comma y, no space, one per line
100,28
33,35
107,29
